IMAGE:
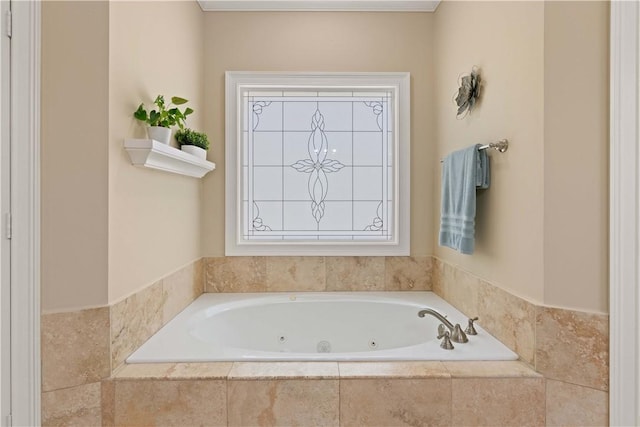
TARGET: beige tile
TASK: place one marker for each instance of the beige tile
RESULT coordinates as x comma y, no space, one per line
198,284
295,274
392,370
195,370
236,274
208,370
498,402
574,405
108,403
509,318
179,290
491,369
134,320
75,406
458,287
170,403
75,348
407,273
573,346
395,402
284,370
283,402
145,371
437,272
355,273
464,291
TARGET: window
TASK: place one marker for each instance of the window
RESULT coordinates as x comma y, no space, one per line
317,164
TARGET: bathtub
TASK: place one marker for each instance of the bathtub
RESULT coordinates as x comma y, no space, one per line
326,326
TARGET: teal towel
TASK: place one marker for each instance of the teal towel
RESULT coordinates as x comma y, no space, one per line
462,172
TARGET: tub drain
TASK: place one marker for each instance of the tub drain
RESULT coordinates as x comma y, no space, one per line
373,343
324,347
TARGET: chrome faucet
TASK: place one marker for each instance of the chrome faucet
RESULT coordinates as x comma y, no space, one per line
456,332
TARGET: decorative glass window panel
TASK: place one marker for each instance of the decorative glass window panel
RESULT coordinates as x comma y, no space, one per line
314,164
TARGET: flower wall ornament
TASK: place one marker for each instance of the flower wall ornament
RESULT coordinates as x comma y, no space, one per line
468,93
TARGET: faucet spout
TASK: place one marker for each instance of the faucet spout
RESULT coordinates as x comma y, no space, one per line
438,316
457,335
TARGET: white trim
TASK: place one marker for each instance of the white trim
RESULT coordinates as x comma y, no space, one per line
320,5
398,82
5,209
156,155
624,393
25,201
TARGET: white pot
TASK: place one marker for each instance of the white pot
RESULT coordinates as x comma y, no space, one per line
196,151
159,134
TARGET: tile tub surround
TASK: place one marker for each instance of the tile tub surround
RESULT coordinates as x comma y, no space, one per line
71,372
82,348
325,393
136,318
171,403
74,348
80,405
569,404
317,274
570,348
510,319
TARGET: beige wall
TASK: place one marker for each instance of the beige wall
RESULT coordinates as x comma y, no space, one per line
504,39
154,217
108,228
74,177
576,176
322,42
542,226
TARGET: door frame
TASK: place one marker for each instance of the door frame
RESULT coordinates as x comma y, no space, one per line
5,208
624,219
25,205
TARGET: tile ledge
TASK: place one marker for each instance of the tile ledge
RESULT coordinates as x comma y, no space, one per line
311,370
239,371
395,370
490,369
173,371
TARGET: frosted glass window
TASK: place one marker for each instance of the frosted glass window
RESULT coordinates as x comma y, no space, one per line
317,165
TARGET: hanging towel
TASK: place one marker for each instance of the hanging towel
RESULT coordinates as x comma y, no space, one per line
462,172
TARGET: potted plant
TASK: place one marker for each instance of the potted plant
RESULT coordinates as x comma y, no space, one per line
193,142
161,120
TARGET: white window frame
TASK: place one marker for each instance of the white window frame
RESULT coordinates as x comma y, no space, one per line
239,81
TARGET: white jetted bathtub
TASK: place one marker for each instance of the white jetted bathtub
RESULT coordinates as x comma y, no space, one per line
314,326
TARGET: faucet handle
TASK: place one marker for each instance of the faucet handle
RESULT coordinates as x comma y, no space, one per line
441,330
470,329
446,342
458,335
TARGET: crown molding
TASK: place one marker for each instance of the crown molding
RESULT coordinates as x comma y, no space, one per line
319,5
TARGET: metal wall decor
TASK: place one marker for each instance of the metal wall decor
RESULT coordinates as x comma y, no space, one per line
468,93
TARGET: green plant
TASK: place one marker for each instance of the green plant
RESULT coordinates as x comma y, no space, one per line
191,137
164,116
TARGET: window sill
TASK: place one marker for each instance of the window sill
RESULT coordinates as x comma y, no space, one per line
156,155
